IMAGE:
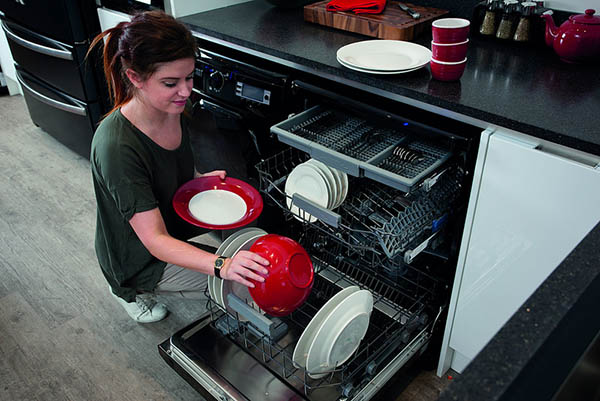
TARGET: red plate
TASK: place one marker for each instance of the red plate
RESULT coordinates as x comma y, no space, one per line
252,198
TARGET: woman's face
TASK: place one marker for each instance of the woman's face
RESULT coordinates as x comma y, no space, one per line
168,88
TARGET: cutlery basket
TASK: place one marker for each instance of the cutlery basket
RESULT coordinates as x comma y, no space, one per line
389,155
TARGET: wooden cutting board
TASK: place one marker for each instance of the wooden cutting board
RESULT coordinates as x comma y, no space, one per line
393,23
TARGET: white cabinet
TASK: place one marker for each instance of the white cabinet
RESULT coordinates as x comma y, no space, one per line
531,203
181,8
110,18
8,65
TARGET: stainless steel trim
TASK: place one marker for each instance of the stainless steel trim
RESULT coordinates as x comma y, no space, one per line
51,102
213,384
48,51
373,386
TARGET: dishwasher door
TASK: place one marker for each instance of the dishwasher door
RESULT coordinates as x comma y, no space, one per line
219,369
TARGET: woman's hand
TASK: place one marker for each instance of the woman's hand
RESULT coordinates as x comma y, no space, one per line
219,173
243,266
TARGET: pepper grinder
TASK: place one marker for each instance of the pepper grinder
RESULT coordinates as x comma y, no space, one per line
506,26
488,25
524,28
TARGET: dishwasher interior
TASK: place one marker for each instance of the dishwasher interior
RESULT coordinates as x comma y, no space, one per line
396,234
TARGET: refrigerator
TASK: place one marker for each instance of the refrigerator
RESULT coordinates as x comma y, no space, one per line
64,92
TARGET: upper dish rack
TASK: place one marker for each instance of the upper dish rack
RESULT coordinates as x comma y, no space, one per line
373,218
360,148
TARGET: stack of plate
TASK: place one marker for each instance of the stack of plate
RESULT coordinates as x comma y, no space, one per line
334,333
384,56
219,289
323,185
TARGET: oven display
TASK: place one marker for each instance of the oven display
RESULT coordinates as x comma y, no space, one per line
250,92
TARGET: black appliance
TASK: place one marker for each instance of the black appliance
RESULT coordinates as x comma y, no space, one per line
242,96
395,233
64,92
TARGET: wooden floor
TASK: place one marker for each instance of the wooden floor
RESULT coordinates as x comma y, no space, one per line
62,337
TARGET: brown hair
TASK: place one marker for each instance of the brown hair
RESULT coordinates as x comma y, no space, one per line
150,38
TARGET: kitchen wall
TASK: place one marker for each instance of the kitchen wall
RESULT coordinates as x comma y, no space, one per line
578,6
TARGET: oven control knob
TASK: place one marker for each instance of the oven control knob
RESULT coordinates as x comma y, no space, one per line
216,81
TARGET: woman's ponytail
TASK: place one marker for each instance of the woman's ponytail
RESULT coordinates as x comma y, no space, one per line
118,86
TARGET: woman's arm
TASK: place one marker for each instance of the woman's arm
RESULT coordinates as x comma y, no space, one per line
219,173
151,230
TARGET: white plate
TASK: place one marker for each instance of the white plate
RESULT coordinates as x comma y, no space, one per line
217,207
303,344
331,181
308,182
344,182
229,252
226,249
384,55
375,71
340,334
240,290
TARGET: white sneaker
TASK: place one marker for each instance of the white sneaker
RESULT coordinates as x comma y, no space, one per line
144,309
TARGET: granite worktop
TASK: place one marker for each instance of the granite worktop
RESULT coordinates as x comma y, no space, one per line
519,87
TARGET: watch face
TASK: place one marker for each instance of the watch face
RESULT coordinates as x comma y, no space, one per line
219,263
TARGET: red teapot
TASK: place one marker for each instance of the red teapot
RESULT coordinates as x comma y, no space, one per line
576,40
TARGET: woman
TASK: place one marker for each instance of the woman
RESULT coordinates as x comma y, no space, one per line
141,155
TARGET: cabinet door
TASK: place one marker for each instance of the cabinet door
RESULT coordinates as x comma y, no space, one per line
528,210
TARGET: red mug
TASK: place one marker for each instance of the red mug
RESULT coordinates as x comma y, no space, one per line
450,30
447,71
452,52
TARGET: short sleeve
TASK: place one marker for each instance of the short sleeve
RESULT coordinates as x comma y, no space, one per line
126,175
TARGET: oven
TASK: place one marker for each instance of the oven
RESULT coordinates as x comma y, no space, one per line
61,88
396,234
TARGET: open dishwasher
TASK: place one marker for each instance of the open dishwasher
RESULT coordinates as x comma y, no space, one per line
395,234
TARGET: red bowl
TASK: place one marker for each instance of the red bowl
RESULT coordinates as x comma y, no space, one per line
450,30
452,52
290,277
447,71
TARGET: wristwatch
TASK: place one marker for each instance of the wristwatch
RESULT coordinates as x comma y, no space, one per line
219,262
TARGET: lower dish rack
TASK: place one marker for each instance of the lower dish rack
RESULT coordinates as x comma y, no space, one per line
399,327
373,218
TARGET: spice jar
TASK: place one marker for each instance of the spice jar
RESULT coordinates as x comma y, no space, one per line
524,27
506,27
488,25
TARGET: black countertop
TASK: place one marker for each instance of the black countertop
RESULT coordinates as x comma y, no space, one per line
523,88
526,89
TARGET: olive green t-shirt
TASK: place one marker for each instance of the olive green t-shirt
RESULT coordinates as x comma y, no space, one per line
132,174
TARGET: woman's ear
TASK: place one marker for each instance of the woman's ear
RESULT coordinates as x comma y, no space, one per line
134,78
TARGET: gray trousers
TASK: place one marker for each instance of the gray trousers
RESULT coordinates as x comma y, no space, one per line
182,282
